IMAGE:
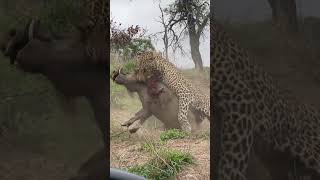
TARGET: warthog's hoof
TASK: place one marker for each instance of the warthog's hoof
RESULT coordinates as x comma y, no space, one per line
134,130
127,124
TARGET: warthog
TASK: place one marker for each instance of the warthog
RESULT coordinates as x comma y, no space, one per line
74,64
164,106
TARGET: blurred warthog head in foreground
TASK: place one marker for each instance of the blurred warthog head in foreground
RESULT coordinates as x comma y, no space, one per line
74,63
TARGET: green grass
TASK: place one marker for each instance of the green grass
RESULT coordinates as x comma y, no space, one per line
164,165
165,162
173,134
151,145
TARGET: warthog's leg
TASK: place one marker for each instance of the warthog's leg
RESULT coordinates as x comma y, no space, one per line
141,115
100,107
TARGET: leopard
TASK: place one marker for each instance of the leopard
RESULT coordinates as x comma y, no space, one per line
252,107
150,63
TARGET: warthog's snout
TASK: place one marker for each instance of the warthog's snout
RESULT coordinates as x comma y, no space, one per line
124,79
119,78
114,75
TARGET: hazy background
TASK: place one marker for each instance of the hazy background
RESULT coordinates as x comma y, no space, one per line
145,13
255,10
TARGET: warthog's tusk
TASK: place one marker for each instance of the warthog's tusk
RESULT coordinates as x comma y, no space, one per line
31,29
120,69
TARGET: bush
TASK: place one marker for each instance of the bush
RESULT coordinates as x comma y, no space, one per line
129,66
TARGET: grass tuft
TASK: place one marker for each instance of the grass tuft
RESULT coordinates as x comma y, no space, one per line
173,134
151,145
165,164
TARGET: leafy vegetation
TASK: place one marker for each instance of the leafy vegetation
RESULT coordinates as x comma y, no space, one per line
129,66
137,46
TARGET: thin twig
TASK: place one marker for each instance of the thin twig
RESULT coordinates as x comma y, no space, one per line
118,134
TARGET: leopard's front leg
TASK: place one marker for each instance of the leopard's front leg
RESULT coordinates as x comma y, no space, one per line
184,104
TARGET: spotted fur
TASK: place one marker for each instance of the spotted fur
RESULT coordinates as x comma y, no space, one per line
251,105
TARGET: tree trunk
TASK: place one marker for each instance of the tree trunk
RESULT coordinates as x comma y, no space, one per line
194,38
284,15
166,43
195,52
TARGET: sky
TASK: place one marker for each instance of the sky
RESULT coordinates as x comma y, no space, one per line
145,14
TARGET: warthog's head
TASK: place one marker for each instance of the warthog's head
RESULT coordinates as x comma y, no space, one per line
85,46
128,80
15,39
